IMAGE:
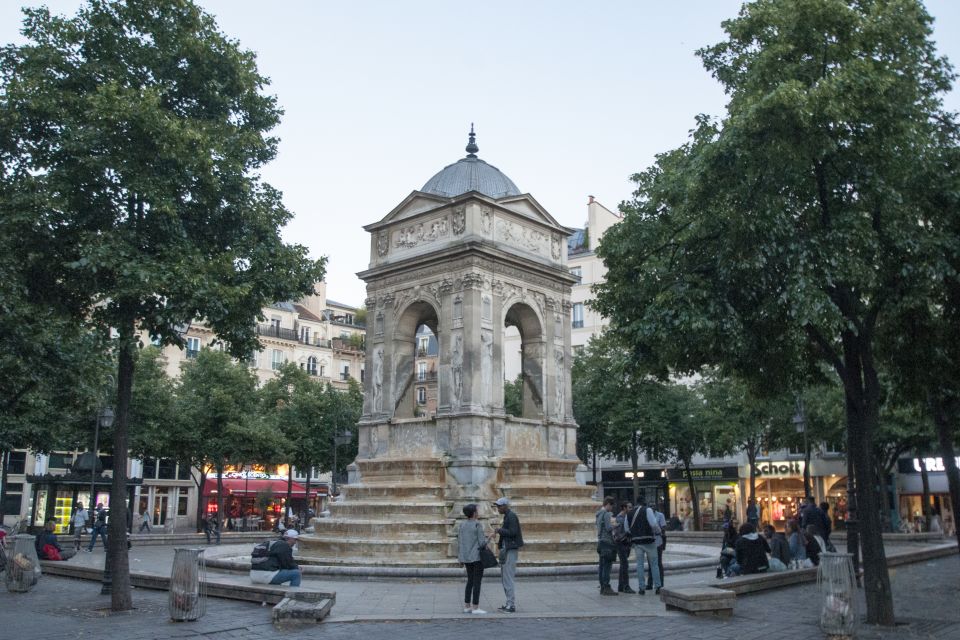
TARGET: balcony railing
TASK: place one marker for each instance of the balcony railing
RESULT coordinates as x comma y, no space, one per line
426,376
344,376
273,331
578,324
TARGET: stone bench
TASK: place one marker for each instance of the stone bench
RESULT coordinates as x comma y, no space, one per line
299,607
700,601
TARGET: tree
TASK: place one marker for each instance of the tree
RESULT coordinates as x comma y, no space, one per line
787,234
218,414
130,137
742,421
513,396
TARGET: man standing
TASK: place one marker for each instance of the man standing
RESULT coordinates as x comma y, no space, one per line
99,528
813,516
753,513
79,522
644,529
623,549
606,548
661,540
509,543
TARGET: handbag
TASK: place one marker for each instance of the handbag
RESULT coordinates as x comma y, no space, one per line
487,559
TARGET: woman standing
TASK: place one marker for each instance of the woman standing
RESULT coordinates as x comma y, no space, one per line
471,538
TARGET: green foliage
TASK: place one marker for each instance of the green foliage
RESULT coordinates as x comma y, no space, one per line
742,420
789,233
513,397
152,406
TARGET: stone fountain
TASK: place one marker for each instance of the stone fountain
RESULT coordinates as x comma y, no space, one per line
468,256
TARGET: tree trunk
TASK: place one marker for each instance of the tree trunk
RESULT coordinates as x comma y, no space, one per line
220,466
694,499
925,480
120,597
945,439
593,451
851,524
286,505
635,464
752,461
306,513
4,463
807,488
200,501
862,398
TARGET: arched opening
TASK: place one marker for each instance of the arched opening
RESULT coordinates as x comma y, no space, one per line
522,318
416,350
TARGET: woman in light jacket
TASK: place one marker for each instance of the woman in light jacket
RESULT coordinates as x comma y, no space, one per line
470,538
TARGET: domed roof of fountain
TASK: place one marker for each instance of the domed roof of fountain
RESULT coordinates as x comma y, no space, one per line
471,174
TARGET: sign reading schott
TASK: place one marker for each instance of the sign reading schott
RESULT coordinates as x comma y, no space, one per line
785,468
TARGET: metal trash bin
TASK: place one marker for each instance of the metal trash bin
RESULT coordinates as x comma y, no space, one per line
838,592
188,585
23,566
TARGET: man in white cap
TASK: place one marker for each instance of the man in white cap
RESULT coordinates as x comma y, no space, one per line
511,539
279,566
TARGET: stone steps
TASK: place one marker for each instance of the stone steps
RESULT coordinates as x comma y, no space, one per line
375,491
373,509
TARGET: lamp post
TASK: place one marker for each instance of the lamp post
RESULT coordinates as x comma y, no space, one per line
105,420
800,422
340,439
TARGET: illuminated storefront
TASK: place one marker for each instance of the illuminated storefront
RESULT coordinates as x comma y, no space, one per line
716,487
780,489
910,486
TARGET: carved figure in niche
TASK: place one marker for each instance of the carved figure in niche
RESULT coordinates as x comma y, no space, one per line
558,327
559,386
487,310
555,246
486,365
383,244
456,363
374,440
378,380
486,220
459,221
378,324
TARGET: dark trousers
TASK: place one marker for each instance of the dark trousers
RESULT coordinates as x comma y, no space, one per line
659,566
623,554
607,553
474,576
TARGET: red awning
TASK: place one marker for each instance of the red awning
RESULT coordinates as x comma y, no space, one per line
241,487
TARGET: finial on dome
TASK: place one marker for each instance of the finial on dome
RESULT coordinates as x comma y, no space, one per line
472,147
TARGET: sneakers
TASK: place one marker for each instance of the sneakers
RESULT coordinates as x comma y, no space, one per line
506,609
657,591
467,610
478,612
640,592
607,591
627,590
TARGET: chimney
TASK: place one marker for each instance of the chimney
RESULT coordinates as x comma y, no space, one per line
591,200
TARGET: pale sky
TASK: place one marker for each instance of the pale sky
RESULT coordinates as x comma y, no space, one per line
569,99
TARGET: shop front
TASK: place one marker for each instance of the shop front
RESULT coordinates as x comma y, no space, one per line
254,502
780,491
652,484
56,496
716,489
910,489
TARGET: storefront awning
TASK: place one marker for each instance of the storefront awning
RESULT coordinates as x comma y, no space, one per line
242,487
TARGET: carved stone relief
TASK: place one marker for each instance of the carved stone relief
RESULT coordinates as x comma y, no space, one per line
421,233
559,383
458,312
459,221
555,246
378,325
378,380
486,220
486,366
383,243
523,237
456,366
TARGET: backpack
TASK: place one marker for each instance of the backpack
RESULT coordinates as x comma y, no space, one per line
260,556
640,530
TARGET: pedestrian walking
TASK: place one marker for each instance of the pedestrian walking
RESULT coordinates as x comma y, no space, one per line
211,527
509,543
470,539
622,538
145,522
99,528
753,513
606,548
661,545
79,522
643,529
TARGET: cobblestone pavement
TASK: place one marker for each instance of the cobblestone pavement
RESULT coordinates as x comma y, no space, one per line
926,594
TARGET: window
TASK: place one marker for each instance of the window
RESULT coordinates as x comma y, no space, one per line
277,360
348,318
305,335
577,272
193,347
323,371
344,370
149,468
421,395
311,366
167,469
182,498
421,371
361,375
11,499
17,462
423,346
60,461
275,321
578,315
254,359
344,335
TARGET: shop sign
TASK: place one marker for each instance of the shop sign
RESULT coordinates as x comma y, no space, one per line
706,473
932,464
783,468
251,475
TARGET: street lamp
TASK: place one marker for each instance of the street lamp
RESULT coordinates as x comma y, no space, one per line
104,420
344,437
800,422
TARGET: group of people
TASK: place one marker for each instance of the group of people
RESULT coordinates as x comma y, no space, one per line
751,549
472,539
94,521
641,530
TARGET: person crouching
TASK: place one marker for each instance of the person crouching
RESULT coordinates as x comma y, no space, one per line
279,567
